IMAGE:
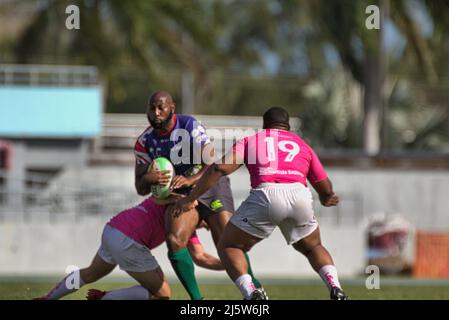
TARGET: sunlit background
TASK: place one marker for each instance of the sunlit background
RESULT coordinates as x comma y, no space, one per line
373,103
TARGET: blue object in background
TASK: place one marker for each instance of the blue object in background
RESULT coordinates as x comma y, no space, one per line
56,112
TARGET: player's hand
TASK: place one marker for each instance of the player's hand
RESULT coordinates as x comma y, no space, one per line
329,201
159,177
182,205
180,182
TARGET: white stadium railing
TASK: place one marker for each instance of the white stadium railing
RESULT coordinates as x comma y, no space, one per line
55,75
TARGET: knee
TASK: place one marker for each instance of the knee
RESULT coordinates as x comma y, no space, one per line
176,242
222,246
306,250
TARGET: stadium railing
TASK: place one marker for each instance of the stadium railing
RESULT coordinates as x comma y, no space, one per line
44,200
54,75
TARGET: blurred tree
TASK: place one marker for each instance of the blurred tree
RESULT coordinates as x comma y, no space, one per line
424,108
314,57
124,38
364,53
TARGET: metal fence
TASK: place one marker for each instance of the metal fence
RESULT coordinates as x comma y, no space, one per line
44,200
38,75
62,201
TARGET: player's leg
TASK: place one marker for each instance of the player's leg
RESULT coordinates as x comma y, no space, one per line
180,229
101,265
312,248
321,261
292,206
137,260
98,269
153,286
217,223
178,232
233,245
216,208
292,210
155,282
247,226
75,280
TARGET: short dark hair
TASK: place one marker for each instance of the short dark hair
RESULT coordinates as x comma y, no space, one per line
276,116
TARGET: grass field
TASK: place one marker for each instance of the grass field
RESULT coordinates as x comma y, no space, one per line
306,290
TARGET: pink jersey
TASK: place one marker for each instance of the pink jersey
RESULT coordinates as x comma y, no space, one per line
145,224
279,156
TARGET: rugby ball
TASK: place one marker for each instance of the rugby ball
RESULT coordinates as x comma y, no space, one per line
162,191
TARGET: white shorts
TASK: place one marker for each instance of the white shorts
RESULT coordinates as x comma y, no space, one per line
118,248
288,206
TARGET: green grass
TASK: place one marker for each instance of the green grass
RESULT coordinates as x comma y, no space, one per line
225,291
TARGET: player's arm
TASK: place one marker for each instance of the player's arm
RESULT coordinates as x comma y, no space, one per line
144,179
202,259
225,166
199,256
210,178
207,152
327,196
321,182
172,198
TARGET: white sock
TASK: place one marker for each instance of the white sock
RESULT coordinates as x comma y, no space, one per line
330,277
245,285
132,293
66,286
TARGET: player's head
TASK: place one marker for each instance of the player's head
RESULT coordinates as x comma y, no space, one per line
160,109
276,118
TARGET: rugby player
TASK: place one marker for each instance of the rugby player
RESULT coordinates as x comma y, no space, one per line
127,241
279,163
183,140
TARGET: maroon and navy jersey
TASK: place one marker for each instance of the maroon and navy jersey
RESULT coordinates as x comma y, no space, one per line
182,145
